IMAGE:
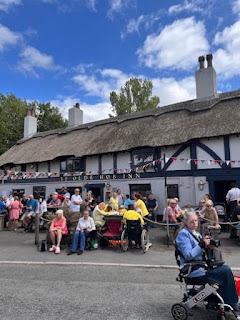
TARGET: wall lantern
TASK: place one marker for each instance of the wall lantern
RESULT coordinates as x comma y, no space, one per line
107,185
201,185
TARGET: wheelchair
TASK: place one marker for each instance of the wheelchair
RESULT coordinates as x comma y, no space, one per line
195,291
133,231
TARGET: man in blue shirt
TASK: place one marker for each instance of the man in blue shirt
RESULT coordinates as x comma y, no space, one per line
127,201
31,207
3,207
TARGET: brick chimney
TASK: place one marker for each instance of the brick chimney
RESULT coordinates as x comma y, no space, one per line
206,79
75,116
30,123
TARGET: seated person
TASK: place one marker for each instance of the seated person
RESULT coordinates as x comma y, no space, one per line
122,210
201,205
171,212
179,210
98,214
57,229
31,207
191,245
127,201
210,214
132,215
54,203
3,207
85,228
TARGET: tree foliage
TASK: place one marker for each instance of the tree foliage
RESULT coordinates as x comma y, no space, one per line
12,113
135,95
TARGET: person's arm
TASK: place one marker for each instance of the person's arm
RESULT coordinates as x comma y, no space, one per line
79,225
216,218
202,213
52,226
186,248
156,206
228,197
92,225
141,220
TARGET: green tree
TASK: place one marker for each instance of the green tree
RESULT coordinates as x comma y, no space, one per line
48,116
12,113
135,95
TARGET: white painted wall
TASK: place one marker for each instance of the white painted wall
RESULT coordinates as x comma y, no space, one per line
234,143
180,165
92,164
55,166
43,167
123,160
217,145
107,163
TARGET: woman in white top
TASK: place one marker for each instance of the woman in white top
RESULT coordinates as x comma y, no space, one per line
85,228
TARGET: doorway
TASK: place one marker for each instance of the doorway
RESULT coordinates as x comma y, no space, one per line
97,191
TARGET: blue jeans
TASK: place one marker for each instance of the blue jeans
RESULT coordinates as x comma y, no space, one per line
82,235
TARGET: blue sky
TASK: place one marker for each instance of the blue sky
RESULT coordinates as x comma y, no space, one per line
67,51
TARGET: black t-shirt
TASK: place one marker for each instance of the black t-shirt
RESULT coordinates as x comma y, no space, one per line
236,212
151,204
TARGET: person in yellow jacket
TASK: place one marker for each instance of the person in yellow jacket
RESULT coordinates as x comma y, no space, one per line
113,202
141,204
131,214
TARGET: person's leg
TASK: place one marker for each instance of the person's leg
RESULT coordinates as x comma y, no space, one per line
15,224
10,225
82,240
75,241
224,277
52,237
59,237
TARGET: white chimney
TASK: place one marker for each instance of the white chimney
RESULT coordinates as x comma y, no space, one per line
30,124
206,83
75,116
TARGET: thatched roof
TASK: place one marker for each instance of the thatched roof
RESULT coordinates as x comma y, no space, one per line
164,126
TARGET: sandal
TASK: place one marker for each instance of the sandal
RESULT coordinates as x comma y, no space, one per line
52,249
57,250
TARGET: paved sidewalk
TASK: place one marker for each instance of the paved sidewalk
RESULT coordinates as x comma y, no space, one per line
18,246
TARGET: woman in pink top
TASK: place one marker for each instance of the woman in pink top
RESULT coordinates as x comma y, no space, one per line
57,229
15,208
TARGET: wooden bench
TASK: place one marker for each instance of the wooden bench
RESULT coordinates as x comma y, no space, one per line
234,231
72,220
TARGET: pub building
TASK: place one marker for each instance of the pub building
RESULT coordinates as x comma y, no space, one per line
192,147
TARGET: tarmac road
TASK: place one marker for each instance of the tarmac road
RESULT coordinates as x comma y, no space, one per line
89,292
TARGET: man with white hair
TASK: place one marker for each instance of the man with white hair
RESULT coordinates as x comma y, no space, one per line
76,201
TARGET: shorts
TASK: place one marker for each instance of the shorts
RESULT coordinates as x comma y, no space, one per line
25,214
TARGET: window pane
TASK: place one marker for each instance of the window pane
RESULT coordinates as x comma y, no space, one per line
69,165
63,166
142,158
77,164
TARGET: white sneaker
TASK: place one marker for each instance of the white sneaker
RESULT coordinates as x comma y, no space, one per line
52,249
57,250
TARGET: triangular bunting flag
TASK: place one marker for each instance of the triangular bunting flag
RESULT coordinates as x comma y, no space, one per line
195,161
174,159
227,162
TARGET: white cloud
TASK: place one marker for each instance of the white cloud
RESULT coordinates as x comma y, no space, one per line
117,6
171,91
146,20
5,5
8,38
188,5
32,59
227,57
236,7
99,83
91,112
176,46
67,6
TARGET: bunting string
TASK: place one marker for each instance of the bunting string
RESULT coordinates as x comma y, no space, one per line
15,175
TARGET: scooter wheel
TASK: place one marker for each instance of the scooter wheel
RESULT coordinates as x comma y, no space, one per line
179,311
